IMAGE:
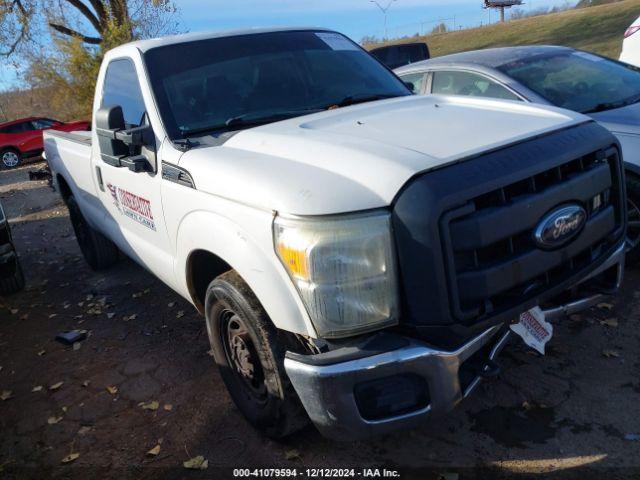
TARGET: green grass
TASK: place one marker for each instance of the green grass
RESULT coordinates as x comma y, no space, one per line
598,29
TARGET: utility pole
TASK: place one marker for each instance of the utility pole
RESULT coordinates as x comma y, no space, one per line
384,11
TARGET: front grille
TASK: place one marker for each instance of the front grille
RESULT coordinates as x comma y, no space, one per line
494,262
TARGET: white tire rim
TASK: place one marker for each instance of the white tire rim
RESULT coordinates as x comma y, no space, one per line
10,159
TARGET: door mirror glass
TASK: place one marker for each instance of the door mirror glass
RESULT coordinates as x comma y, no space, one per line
110,120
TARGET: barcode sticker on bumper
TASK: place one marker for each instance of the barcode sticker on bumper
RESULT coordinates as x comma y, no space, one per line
534,329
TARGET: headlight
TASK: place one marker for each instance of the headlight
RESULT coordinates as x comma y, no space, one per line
344,269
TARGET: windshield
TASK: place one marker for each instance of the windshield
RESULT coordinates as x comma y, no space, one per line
234,82
578,81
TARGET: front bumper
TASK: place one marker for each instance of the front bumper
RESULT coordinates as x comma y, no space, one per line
328,383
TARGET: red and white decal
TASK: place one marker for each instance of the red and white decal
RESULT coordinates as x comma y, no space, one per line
133,206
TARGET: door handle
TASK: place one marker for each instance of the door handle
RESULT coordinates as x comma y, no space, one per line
99,177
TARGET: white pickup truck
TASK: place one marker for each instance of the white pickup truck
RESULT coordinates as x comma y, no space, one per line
358,253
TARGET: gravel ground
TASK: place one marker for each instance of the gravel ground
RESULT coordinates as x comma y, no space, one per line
143,379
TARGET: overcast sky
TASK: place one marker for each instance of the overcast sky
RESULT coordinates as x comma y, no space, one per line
355,18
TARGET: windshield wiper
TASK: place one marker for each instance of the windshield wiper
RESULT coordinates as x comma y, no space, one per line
246,120
602,107
361,98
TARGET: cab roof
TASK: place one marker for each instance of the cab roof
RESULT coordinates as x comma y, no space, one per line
145,45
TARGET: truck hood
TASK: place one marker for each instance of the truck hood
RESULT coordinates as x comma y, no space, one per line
359,157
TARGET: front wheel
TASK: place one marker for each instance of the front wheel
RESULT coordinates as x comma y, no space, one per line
633,217
249,352
10,158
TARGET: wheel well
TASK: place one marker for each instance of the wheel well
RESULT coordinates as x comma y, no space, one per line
65,190
202,268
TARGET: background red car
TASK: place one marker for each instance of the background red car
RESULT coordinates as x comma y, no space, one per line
21,139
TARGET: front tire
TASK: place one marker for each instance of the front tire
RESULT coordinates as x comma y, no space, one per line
14,283
98,250
10,158
249,352
633,217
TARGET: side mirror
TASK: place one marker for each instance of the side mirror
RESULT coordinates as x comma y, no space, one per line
121,147
110,120
410,86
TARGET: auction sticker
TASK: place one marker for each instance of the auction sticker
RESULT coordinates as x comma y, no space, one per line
337,41
534,329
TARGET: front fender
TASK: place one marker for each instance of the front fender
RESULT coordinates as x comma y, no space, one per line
251,254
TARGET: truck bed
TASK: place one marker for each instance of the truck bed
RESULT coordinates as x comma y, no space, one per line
79,136
69,155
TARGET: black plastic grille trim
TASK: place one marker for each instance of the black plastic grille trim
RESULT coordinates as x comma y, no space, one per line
419,219
495,260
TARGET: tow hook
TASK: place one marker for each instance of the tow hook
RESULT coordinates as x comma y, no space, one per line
490,369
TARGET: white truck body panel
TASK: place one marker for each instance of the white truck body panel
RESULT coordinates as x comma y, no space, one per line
343,160
359,157
631,45
409,277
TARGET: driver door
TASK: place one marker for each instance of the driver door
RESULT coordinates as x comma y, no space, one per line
131,199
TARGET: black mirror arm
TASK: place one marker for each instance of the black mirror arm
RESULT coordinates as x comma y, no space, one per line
135,163
137,137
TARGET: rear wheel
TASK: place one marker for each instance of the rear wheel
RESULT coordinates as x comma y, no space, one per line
633,217
249,352
10,158
14,283
98,250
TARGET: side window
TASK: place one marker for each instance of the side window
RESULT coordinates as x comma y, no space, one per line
18,127
41,123
470,84
417,79
121,87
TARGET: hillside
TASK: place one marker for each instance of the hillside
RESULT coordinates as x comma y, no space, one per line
598,29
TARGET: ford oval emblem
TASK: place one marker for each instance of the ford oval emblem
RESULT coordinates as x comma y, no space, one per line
559,226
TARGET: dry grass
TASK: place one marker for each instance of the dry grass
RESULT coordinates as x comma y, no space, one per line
598,29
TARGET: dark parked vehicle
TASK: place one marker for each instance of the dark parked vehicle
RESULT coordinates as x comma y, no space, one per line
395,56
11,277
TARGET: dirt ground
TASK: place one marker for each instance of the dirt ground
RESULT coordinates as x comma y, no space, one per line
573,413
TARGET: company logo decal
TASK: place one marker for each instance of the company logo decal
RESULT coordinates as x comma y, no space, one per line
560,226
132,206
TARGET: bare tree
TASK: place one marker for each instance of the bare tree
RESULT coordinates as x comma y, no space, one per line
57,46
90,21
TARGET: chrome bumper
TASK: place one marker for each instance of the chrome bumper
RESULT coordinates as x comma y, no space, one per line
327,391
